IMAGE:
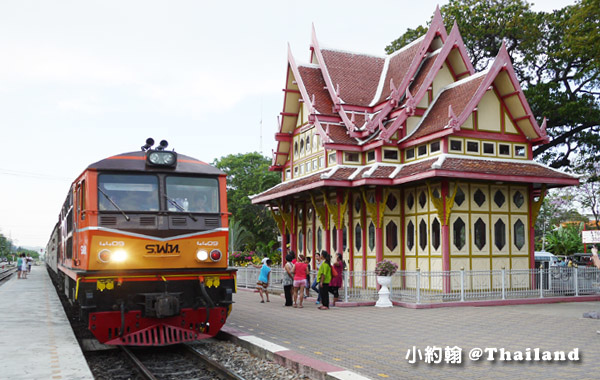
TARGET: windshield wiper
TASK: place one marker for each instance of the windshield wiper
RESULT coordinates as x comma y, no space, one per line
113,203
178,206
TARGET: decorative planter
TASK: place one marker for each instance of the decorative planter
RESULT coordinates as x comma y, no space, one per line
384,291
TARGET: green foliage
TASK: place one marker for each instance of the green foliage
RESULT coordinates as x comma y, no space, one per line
248,174
238,236
565,240
556,57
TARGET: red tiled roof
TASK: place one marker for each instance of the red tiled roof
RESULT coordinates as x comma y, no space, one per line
339,135
502,168
509,171
421,74
398,68
314,84
458,96
357,75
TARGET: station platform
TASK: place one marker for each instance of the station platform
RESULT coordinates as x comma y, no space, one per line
376,343
36,340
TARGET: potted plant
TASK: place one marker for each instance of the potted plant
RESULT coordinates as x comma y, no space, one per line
384,270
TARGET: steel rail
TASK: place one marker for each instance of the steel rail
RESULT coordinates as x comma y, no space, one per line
139,365
214,365
7,273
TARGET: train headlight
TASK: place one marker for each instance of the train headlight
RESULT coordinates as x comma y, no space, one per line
104,255
202,255
215,255
118,256
161,158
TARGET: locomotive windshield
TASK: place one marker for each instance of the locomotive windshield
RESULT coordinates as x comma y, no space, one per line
192,194
128,192
134,192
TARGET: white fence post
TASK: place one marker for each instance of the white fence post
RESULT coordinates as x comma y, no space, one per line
576,281
418,285
345,274
541,282
462,284
503,283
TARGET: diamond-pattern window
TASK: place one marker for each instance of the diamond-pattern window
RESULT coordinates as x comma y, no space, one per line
479,197
410,201
460,233
500,234
479,234
410,235
422,199
391,235
300,242
423,234
435,234
371,236
358,237
460,196
519,199
499,198
392,202
519,233
309,240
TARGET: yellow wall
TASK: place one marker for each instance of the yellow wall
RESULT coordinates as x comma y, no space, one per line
488,113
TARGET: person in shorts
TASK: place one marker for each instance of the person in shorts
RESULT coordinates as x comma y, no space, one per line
263,280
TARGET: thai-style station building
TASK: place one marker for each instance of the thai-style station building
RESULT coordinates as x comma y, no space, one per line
412,157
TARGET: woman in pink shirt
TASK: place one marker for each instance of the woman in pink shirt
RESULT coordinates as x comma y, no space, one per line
300,279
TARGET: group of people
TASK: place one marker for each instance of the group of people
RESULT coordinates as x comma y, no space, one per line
24,265
296,279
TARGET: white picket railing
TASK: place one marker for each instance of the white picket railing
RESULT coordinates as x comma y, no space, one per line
459,285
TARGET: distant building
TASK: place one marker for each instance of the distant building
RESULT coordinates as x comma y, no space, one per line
411,157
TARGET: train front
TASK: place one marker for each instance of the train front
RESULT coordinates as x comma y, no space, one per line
156,245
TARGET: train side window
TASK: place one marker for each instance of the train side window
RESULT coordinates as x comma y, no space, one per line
81,200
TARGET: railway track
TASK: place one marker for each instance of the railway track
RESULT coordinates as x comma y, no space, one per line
6,273
176,362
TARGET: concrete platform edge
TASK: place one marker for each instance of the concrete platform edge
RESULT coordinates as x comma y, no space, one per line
302,364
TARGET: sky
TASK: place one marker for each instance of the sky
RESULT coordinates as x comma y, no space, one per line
84,80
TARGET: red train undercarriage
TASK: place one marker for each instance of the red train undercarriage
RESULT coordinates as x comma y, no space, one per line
132,329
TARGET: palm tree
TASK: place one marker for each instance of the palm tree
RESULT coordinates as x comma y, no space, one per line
238,236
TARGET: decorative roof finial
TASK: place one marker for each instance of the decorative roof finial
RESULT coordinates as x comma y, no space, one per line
453,122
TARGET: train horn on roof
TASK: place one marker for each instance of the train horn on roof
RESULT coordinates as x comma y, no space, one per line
148,145
163,145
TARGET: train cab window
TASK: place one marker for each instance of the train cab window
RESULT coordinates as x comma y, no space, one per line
193,194
127,192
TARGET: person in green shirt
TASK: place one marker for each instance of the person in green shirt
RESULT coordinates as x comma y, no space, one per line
324,277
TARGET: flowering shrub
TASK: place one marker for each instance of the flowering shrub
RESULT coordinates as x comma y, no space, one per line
386,268
242,258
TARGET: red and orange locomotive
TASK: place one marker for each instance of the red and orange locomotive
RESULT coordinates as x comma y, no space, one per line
140,248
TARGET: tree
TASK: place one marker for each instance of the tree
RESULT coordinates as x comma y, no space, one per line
556,57
559,206
248,174
565,240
